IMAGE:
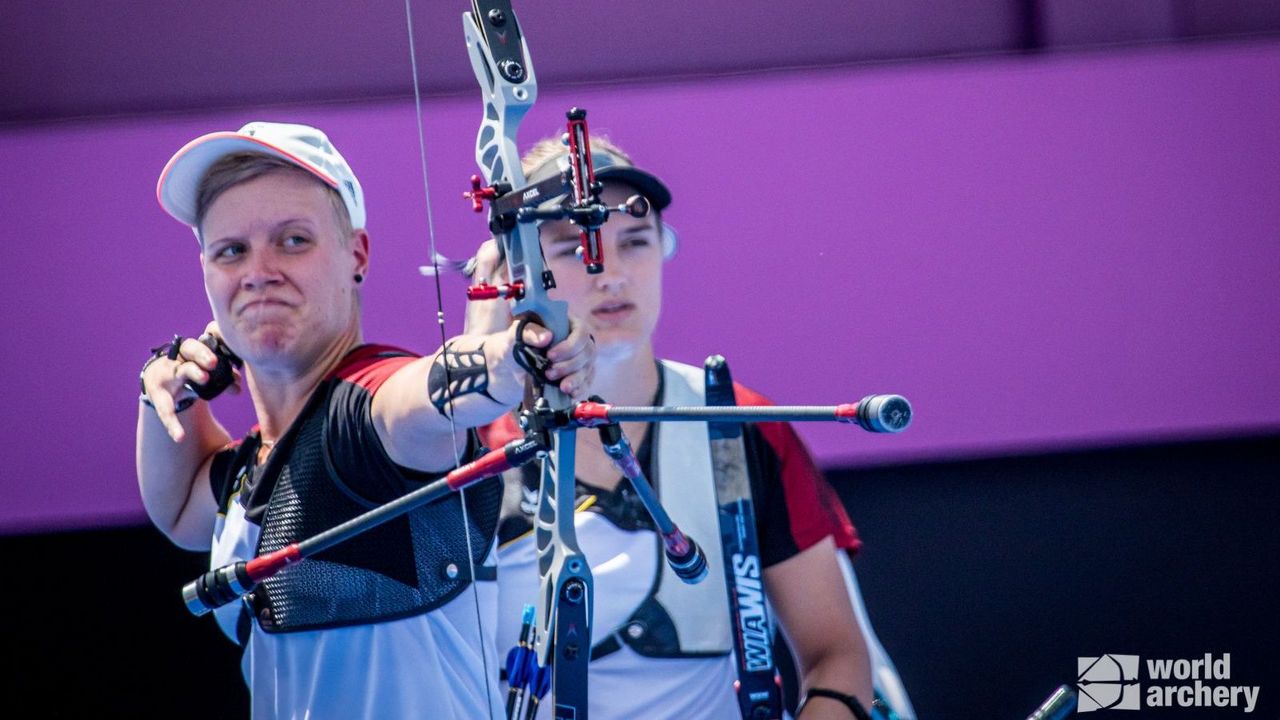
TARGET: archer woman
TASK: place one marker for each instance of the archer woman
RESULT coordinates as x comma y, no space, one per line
662,648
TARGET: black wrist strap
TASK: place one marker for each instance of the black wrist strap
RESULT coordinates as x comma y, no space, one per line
221,377
167,350
849,701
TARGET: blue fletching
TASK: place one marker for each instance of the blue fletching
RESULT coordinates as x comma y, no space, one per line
541,678
518,673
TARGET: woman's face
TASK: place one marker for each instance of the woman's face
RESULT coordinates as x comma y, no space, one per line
278,275
622,303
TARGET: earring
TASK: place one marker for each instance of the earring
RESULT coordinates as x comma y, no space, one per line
359,278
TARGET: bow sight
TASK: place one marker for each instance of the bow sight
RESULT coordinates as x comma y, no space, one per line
582,205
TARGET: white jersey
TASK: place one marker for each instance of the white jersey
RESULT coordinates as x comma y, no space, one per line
424,666
378,654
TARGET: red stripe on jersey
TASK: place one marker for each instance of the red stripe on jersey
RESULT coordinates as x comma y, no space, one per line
365,366
813,506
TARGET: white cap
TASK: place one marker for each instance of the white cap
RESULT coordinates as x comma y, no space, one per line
302,145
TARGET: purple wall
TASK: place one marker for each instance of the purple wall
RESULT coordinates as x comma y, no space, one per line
1038,251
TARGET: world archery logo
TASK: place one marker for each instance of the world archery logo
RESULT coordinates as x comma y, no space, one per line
1109,682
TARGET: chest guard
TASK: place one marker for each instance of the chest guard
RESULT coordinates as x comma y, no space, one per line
677,619
407,566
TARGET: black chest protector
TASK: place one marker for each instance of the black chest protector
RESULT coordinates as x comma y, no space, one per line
407,566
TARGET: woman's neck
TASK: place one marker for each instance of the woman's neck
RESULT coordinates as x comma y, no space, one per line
280,395
628,380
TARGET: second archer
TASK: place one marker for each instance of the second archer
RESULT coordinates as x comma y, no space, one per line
662,648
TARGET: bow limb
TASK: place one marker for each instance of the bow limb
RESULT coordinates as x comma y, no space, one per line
508,87
440,316
506,101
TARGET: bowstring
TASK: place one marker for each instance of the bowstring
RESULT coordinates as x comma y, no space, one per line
457,452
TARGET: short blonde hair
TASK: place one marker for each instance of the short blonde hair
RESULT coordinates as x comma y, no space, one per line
238,168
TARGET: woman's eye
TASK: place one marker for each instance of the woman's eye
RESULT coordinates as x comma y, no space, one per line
638,241
296,241
229,252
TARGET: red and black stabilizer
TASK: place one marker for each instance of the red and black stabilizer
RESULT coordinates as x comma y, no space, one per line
874,413
686,558
877,413
222,585
226,584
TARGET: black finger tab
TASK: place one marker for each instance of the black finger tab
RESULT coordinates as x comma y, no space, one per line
221,376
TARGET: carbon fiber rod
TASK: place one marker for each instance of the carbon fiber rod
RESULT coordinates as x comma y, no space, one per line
874,413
